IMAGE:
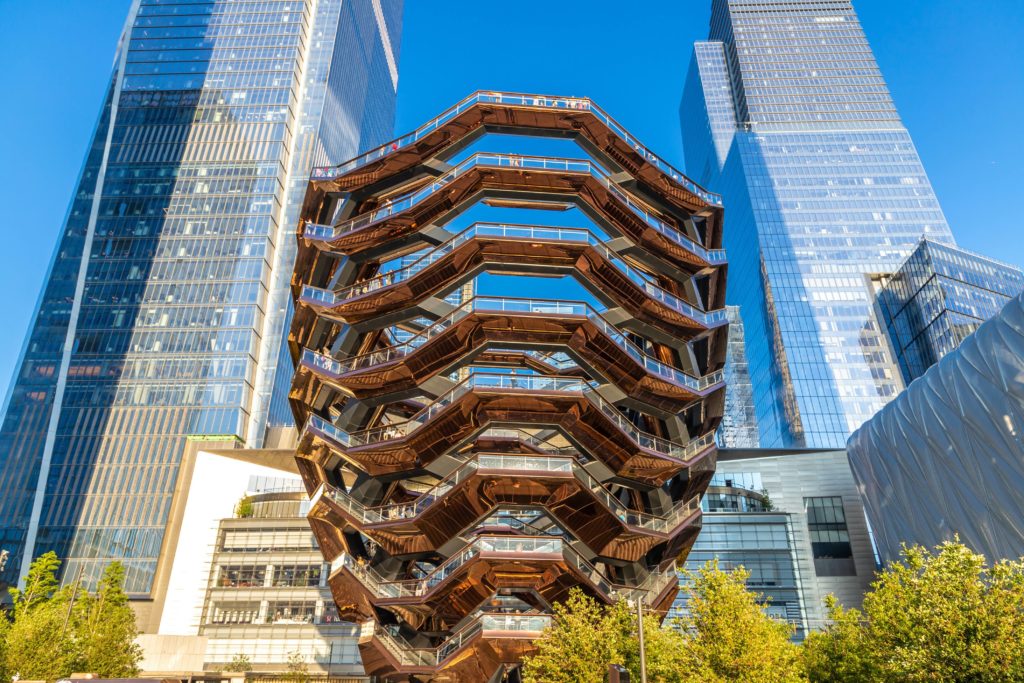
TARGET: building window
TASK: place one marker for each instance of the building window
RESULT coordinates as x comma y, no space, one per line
728,502
241,576
303,575
330,615
291,611
830,537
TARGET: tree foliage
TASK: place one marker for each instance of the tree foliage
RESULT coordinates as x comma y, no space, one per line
298,670
587,637
244,507
727,638
5,627
40,641
933,616
106,628
60,630
240,663
40,584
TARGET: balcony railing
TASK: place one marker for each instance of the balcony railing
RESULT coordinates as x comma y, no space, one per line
653,584
486,382
327,233
337,368
535,464
529,625
523,100
416,588
531,234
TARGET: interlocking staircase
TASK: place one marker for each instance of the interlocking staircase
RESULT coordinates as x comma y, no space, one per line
471,459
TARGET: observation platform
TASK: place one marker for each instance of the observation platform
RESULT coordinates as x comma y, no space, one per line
472,458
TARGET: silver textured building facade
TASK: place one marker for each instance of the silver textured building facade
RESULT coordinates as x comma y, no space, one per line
947,456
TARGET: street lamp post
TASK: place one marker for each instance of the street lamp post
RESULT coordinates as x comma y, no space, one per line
640,632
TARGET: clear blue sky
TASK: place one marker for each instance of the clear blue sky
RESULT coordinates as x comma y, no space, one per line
955,67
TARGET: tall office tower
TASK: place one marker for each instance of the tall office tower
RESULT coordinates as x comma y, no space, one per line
473,455
939,296
739,421
787,115
164,308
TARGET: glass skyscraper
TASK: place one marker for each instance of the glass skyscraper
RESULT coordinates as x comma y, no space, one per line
738,428
165,307
938,297
786,114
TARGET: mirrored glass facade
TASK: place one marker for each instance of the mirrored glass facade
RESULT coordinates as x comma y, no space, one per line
763,544
166,301
739,421
786,114
795,521
938,297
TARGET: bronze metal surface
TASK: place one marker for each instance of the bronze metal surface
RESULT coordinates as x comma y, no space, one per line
478,181
480,407
472,334
470,461
571,501
510,116
519,256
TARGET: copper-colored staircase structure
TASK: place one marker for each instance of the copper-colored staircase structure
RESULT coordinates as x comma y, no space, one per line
470,458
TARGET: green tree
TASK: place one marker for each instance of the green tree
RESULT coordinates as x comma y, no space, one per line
240,663
106,628
729,636
579,645
244,507
840,653
5,626
587,637
939,615
40,583
298,671
664,648
40,642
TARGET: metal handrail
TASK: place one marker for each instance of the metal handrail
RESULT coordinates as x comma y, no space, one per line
529,438
337,368
409,656
414,588
533,234
379,514
653,584
521,99
327,233
490,381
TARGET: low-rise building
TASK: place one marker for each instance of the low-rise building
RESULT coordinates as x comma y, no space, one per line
795,521
267,597
244,579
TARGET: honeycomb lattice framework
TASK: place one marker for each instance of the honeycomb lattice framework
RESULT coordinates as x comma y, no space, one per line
471,459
